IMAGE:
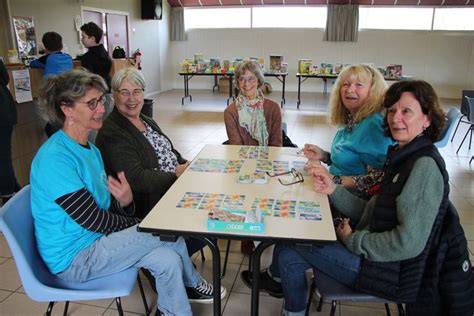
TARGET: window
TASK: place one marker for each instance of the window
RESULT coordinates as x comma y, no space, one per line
454,19
395,18
289,17
197,18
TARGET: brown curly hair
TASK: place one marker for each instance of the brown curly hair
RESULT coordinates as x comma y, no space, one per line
428,99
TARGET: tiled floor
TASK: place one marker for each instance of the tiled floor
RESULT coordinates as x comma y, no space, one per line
201,122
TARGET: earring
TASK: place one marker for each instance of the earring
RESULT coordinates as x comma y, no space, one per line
70,121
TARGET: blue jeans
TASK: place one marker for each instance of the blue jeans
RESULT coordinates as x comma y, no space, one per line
291,262
167,261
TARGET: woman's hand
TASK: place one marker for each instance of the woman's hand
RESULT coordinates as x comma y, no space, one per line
313,152
343,230
322,179
181,168
120,189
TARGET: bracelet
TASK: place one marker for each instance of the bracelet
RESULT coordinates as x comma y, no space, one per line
337,179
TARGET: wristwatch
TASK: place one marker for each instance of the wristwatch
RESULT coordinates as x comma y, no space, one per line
337,179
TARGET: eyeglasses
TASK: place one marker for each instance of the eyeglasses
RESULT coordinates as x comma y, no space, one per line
297,176
249,79
92,104
124,93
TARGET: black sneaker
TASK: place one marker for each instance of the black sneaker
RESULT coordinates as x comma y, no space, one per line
203,293
266,283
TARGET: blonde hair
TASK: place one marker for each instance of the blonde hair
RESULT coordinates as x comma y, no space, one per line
374,102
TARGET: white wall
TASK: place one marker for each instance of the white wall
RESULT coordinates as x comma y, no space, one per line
444,59
58,16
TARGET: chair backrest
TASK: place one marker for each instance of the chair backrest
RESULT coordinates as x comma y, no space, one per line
16,223
464,102
470,106
452,117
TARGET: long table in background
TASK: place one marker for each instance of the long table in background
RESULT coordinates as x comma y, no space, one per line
170,219
188,76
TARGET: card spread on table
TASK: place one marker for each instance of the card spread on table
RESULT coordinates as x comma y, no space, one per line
253,152
303,210
211,201
217,165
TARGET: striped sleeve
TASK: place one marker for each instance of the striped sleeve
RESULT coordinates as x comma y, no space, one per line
83,209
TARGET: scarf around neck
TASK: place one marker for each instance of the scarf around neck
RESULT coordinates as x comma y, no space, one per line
251,117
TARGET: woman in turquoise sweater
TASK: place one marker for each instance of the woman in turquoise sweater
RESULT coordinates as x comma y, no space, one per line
359,147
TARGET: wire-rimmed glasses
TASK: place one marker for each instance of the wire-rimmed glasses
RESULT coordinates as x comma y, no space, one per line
297,176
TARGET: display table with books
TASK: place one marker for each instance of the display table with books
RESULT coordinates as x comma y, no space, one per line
246,193
281,76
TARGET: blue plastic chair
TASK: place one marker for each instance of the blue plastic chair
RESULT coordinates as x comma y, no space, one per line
452,116
16,223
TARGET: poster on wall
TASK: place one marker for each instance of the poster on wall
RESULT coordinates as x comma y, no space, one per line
22,85
25,36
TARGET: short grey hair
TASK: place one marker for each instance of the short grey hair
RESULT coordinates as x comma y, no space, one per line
129,73
251,66
65,89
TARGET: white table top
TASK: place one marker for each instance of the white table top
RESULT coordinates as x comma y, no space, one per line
167,218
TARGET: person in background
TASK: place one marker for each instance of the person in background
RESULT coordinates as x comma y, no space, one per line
252,120
97,59
8,118
134,143
407,244
84,221
359,147
55,61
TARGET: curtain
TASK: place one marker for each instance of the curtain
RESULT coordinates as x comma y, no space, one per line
342,23
178,33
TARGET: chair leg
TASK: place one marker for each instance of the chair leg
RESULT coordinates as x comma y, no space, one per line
320,304
50,308
142,293
470,137
310,296
333,308
387,309
66,307
401,310
471,159
456,129
119,306
460,145
202,255
226,258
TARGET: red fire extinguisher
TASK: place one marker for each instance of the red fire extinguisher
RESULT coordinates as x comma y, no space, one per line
137,55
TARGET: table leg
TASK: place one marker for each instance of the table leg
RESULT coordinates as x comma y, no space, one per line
283,92
325,91
256,274
216,273
215,83
186,89
231,92
299,91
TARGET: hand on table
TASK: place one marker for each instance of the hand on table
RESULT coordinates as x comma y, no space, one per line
181,168
343,230
120,189
313,152
322,179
